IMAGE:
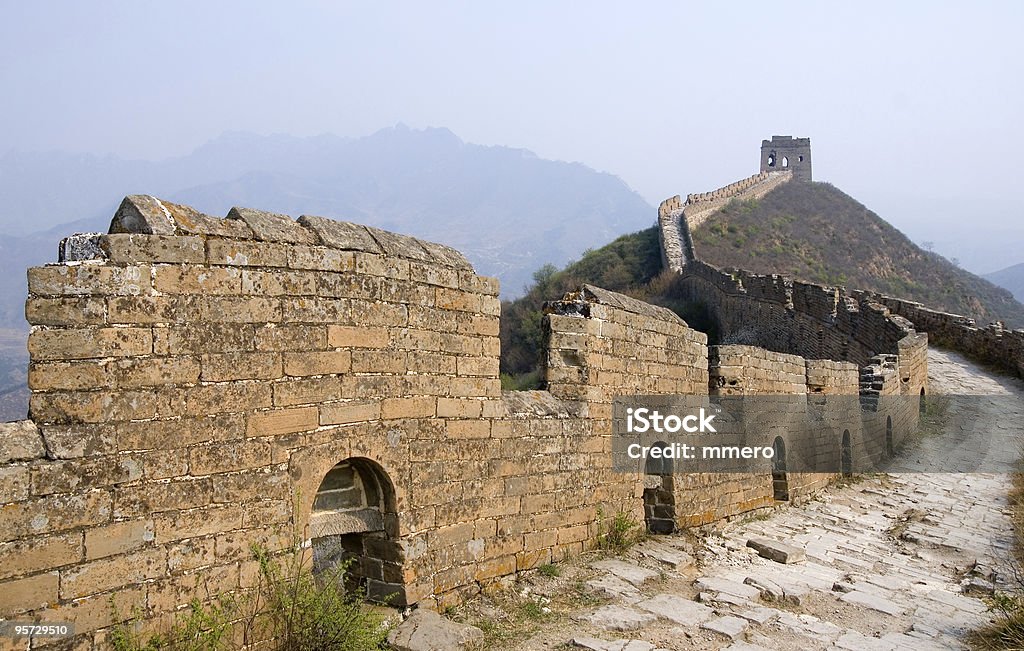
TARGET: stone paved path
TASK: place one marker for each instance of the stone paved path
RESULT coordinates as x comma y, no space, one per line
891,562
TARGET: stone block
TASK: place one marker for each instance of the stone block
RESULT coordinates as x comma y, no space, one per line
677,609
135,247
20,441
425,630
339,234
39,553
338,413
88,279
14,482
225,367
291,337
86,310
246,254
29,593
225,457
320,258
417,407
283,421
106,574
118,538
196,279
776,551
317,363
620,618
72,475
142,213
273,227
340,336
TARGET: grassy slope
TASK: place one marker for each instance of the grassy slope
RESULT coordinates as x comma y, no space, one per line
816,233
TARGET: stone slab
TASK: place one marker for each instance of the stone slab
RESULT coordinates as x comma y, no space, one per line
729,626
677,609
777,551
626,571
620,618
425,630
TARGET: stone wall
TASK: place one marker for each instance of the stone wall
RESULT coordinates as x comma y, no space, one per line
993,344
202,384
699,207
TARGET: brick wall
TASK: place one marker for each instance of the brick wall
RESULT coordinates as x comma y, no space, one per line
201,384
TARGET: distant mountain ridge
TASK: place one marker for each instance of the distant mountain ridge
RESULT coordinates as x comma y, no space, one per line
1010,278
509,211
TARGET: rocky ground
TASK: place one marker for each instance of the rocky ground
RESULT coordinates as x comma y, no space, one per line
896,561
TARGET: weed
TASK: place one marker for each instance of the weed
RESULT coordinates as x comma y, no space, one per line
550,570
620,534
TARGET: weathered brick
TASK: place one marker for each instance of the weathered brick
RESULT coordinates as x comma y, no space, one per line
138,247
178,433
481,366
420,407
66,311
157,496
469,429
73,441
228,456
66,407
14,481
340,235
245,254
265,483
196,279
377,265
378,361
291,337
227,397
458,408
82,279
453,299
273,227
240,366
53,513
29,593
39,553
106,574
348,285
47,376
307,391
320,258
163,464
317,363
178,525
190,554
339,336
431,274
84,343
118,538
283,421
249,309
152,309
279,283
316,310
380,314
19,441
155,371
337,413
84,474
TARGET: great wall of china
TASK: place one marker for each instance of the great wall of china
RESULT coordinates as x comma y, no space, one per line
202,384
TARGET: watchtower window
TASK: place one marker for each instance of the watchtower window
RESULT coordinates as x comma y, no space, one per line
785,161
800,158
771,159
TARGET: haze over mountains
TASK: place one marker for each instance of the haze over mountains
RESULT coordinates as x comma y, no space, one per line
1011,278
508,210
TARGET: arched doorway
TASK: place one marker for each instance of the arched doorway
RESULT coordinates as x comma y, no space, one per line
888,436
659,494
846,455
354,519
780,483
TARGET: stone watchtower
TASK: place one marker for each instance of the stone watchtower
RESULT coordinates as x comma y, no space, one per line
787,153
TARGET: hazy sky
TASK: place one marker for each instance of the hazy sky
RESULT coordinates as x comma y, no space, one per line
913,108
